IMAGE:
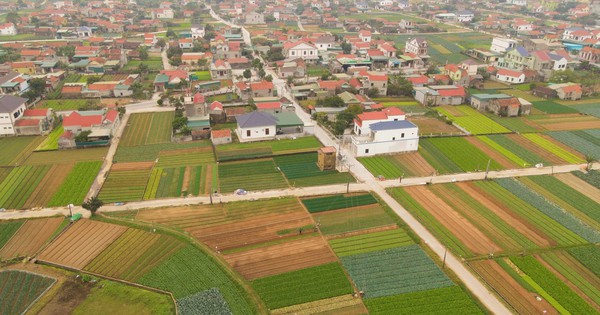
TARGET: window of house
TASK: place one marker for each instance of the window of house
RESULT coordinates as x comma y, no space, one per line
267,131
402,135
393,138
366,150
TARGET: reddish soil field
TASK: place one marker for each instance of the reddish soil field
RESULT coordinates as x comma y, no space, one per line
495,155
280,258
81,243
415,163
48,186
132,166
532,147
464,230
428,125
523,301
525,228
251,231
30,237
580,185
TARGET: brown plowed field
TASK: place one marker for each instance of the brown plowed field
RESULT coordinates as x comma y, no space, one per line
464,230
431,125
495,155
523,301
580,185
530,146
251,231
48,186
280,258
132,166
524,227
30,237
414,162
81,243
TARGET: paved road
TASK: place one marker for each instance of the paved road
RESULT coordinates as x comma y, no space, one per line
165,60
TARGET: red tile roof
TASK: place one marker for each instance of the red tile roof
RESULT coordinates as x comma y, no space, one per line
458,91
216,105
27,122
572,88
393,111
263,85
198,98
509,73
75,120
112,115
268,105
225,133
39,112
331,84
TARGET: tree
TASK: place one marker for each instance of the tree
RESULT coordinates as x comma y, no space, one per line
261,73
589,160
247,74
12,17
37,87
299,9
331,101
171,34
179,123
143,52
484,73
398,85
373,92
269,78
256,64
161,42
93,204
346,47
142,68
160,102
174,51
66,51
83,136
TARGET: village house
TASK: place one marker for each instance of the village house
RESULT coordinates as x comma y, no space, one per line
219,137
220,70
436,95
14,83
100,123
306,51
510,76
294,68
417,46
254,18
35,122
11,109
8,29
567,91
256,89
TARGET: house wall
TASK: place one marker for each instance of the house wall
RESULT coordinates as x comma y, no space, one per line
218,141
28,130
509,79
257,133
7,121
374,148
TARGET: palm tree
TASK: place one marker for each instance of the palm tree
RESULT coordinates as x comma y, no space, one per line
589,160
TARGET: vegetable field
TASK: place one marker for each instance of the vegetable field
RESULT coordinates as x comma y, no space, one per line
177,158
513,150
255,175
448,300
472,120
346,304
151,152
238,151
148,128
366,243
377,273
353,219
321,204
7,229
395,166
51,141
592,177
127,185
66,104
77,184
557,150
30,238
303,286
460,152
589,256
584,141
210,301
21,289
550,107
16,149
20,184
302,170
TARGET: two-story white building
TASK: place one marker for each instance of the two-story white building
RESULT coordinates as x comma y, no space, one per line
11,109
502,45
417,46
306,51
384,132
8,29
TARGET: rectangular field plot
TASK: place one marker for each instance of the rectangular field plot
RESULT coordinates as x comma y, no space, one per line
7,229
472,120
550,287
345,304
127,185
150,152
148,128
353,219
584,141
302,170
237,151
81,243
18,186
174,275
450,154
280,258
178,158
394,271
366,243
515,151
47,187
67,156
565,122
21,289
303,286
30,238
395,166
550,107
592,177
252,176
321,204
76,185
133,254
587,256
449,300
16,149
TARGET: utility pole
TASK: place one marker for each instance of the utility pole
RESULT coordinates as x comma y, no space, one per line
444,261
487,169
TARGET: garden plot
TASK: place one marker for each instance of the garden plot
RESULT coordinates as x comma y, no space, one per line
564,122
556,148
302,170
592,177
239,151
353,220
584,141
302,286
432,126
185,157
394,271
148,128
512,150
48,186
18,186
345,304
252,176
21,289
81,243
580,185
321,204
8,229
530,151
125,185
30,238
150,152
280,258
446,154
396,166
133,254
366,243
472,120
67,156
587,256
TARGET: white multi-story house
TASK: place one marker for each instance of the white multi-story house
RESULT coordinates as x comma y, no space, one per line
386,3
417,46
510,76
325,42
365,36
303,50
255,18
517,2
384,132
464,16
11,109
162,14
8,29
577,34
501,45
197,32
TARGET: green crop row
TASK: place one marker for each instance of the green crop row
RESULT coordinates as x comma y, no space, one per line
152,187
382,165
77,184
371,242
260,175
579,140
20,184
150,152
321,204
377,273
20,289
504,151
527,156
171,181
555,149
190,271
210,301
463,154
589,256
437,159
125,186
558,214
473,121
592,177
301,286
7,229
555,287
185,159
449,300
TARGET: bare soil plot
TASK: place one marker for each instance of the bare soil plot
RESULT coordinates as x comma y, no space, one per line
493,154
132,166
523,226
280,258
431,125
523,301
252,231
560,122
81,243
529,145
345,304
48,186
67,156
580,185
415,163
464,230
30,238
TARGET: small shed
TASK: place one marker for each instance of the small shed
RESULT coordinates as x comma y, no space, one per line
326,158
